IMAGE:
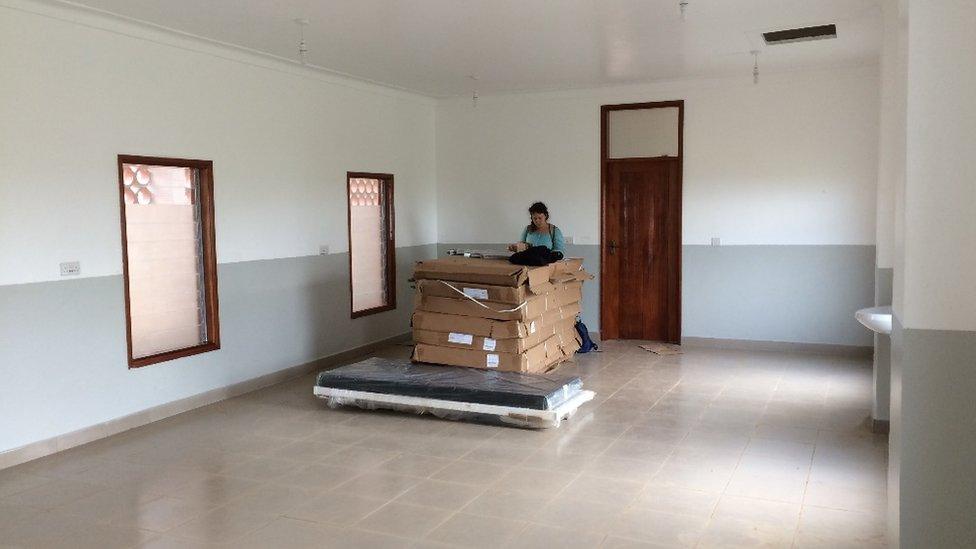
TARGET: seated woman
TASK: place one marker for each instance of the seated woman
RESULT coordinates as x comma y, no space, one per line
540,232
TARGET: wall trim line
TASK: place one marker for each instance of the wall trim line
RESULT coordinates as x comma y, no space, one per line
53,445
851,351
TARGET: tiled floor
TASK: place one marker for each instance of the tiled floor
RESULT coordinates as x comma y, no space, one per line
706,449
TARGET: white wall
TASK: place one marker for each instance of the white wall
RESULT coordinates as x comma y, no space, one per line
77,90
792,160
939,291
891,146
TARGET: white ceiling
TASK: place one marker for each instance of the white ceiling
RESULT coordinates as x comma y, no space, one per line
430,46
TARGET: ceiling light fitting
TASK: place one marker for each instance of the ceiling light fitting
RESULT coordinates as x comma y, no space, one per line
474,92
755,66
302,46
683,8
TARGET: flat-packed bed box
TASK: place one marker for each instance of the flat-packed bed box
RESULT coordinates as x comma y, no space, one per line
513,295
461,340
495,272
534,306
487,327
538,359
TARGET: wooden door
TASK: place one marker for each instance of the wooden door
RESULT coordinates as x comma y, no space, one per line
641,249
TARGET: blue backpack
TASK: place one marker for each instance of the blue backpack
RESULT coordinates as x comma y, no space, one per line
587,344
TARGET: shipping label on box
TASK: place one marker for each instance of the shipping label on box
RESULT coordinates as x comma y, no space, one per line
463,339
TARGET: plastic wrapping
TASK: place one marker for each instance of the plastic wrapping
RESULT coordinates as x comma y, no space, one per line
466,385
479,413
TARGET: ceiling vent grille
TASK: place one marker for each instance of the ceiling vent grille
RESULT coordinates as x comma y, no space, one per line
805,34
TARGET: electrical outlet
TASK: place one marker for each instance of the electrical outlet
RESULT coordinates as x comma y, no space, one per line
568,239
716,241
71,268
323,250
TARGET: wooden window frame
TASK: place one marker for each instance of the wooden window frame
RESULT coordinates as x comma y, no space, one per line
205,170
391,289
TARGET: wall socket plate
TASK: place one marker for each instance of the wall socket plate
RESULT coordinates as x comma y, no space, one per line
71,268
716,241
568,239
323,250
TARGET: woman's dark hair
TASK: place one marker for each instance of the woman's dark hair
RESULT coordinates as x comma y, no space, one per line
539,208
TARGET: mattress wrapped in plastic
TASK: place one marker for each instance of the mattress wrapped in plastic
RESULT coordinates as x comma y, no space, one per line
469,385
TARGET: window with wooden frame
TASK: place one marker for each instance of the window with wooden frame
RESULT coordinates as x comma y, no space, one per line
168,258
372,248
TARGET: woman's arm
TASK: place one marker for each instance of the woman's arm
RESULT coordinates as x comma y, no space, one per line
520,245
558,244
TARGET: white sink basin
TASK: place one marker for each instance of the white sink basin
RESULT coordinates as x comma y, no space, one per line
876,319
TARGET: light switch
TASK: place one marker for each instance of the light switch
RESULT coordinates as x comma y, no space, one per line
716,241
71,268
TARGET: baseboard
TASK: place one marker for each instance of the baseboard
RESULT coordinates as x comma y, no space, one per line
98,431
851,351
880,426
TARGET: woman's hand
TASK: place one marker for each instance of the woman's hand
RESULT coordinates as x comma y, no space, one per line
518,247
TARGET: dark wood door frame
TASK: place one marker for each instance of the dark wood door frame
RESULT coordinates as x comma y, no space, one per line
675,317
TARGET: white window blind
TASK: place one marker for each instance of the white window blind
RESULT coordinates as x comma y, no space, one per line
368,241
164,249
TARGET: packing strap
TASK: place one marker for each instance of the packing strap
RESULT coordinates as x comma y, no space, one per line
466,296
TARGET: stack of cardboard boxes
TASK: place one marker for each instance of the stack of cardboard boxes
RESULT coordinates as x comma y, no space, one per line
489,313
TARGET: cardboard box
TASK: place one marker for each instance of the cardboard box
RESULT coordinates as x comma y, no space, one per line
532,307
497,294
487,327
537,359
482,292
460,340
496,272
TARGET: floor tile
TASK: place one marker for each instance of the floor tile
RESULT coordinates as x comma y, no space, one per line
339,508
508,504
535,536
674,499
659,527
415,465
579,514
535,481
223,525
293,534
602,490
318,477
54,494
277,499
466,530
820,527
214,490
442,494
376,484
404,520
471,472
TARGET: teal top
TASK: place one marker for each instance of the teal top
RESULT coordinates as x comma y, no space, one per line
552,241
